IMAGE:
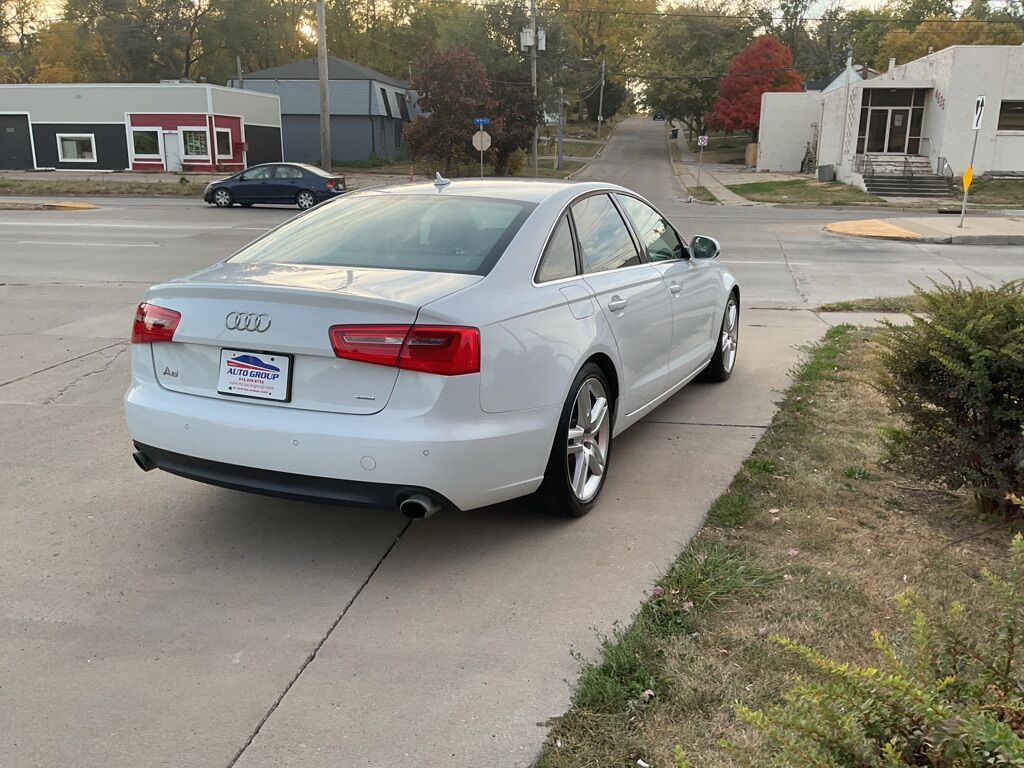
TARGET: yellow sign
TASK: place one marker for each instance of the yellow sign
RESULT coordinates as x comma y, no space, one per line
968,178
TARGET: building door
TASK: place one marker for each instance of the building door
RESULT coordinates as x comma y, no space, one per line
15,143
172,151
899,120
878,121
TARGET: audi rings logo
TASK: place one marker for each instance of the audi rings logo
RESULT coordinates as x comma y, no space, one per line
247,321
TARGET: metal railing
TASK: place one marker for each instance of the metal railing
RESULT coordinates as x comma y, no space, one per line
908,167
863,165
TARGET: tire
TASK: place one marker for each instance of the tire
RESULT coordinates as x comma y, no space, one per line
305,200
723,362
223,198
571,489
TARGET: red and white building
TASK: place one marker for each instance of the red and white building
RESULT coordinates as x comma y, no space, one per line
170,126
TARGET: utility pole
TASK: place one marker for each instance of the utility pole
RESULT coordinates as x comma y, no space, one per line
238,71
561,128
533,76
325,105
600,100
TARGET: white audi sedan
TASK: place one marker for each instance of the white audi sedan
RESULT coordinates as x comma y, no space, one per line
430,346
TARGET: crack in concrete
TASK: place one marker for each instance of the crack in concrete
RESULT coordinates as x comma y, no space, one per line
62,362
706,424
316,649
79,379
796,282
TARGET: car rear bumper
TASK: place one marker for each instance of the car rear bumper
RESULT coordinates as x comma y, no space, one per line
468,461
286,485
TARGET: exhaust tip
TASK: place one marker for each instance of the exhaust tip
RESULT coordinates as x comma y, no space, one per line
418,506
145,463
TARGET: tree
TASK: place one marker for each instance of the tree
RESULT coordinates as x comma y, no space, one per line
687,56
516,113
764,65
453,90
941,32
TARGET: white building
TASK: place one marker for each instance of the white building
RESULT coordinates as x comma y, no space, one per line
903,131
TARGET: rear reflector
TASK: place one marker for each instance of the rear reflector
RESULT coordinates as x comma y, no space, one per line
441,349
153,324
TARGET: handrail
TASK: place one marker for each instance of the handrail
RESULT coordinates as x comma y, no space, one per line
908,167
942,165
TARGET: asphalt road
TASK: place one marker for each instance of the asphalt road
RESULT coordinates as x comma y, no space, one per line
147,620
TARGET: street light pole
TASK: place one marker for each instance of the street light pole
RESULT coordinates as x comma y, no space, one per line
561,128
600,100
325,106
533,76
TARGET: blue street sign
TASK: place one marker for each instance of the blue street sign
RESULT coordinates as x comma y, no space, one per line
481,121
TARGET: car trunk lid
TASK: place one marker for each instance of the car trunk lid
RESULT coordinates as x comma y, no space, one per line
285,310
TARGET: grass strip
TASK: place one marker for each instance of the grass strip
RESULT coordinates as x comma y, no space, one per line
803,191
907,304
812,540
90,187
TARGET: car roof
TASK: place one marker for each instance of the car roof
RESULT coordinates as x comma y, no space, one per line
523,190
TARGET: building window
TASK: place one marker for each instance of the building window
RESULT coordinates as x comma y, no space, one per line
195,144
1011,116
146,143
224,149
387,102
890,121
403,106
76,147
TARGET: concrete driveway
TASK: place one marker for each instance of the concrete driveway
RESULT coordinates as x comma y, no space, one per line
148,620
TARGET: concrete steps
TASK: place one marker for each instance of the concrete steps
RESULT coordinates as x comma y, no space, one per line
895,176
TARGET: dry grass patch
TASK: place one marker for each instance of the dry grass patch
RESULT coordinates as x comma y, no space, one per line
99,187
813,540
906,304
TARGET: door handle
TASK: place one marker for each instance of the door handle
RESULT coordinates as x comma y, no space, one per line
675,288
616,303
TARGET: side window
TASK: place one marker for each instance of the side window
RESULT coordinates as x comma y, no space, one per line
287,172
559,259
655,232
605,242
256,173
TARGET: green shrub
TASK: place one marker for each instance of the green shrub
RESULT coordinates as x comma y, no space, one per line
955,377
950,695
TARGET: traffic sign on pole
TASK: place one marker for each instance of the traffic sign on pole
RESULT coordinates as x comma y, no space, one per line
979,111
480,122
702,141
481,142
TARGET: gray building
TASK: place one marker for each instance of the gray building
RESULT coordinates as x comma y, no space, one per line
368,109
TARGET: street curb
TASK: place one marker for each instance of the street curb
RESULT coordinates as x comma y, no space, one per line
917,237
47,206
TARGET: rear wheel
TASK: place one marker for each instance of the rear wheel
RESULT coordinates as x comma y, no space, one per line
724,360
222,198
305,199
578,464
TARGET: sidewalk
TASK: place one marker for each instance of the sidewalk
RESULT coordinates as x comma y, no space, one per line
977,230
687,173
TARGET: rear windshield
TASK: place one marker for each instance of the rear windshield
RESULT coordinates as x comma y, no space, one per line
419,232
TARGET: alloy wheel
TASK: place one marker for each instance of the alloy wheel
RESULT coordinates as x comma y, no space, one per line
730,335
588,439
222,198
305,200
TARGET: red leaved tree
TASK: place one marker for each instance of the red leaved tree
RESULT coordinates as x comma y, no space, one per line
453,89
764,65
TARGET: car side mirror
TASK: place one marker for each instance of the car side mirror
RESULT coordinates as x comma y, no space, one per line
704,247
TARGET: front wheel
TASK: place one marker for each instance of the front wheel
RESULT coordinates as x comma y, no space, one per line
723,362
222,198
305,200
578,464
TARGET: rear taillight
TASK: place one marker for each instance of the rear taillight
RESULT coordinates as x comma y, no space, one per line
442,349
332,183
153,324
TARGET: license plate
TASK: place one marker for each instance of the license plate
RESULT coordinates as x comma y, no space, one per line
261,375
